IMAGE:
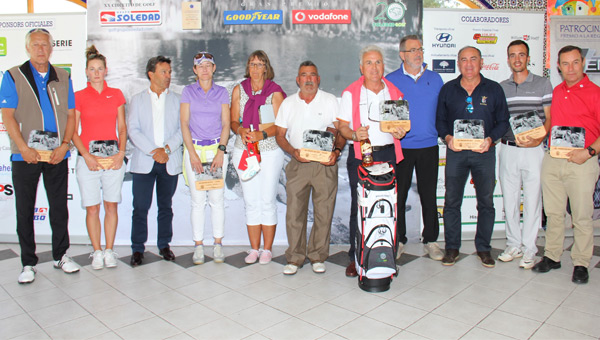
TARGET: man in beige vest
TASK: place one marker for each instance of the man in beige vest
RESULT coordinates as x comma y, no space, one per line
38,111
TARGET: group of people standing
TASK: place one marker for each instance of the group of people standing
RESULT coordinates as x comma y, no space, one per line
189,133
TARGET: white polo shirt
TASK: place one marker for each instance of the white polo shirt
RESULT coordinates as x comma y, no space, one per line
297,116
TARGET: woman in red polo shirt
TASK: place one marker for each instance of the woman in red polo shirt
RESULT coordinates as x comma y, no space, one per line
101,111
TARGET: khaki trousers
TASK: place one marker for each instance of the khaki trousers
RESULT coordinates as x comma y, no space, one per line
562,180
322,181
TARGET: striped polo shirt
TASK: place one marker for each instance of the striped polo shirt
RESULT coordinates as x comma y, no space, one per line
533,94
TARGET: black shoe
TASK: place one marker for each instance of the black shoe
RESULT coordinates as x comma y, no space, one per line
545,265
450,258
167,254
136,259
486,259
580,275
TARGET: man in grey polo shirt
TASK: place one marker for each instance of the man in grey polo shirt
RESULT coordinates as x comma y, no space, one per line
521,160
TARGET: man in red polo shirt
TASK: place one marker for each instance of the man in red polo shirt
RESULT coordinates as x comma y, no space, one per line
576,103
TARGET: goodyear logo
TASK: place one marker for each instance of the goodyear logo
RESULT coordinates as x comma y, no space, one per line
485,39
129,18
254,17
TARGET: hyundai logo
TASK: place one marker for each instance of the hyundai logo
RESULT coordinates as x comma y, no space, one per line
444,37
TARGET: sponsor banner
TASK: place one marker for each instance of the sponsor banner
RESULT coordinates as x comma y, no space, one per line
321,16
11,22
3,47
583,32
444,65
491,33
130,18
254,17
391,14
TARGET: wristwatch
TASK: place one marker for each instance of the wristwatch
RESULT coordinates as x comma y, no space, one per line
591,150
167,150
222,148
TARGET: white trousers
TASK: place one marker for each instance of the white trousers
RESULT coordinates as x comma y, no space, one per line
215,201
521,168
260,191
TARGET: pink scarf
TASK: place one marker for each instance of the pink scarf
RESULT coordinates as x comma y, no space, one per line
355,89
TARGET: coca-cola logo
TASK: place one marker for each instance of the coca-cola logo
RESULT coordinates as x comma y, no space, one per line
491,67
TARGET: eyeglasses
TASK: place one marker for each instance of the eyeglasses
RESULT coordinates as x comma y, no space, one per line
414,50
256,65
469,101
203,56
34,30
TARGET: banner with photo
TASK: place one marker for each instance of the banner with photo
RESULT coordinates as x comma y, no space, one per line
330,33
68,31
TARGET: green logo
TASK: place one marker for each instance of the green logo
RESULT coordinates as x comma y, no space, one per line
2,46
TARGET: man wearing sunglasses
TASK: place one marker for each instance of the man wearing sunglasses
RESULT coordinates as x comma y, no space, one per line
521,158
420,87
471,96
37,99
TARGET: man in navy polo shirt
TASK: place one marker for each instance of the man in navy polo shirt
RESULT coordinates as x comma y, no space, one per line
471,96
38,96
420,87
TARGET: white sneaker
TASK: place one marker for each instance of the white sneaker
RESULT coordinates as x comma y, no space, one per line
290,269
110,258
27,275
434,251
318,267
218,254
527,262
67,265
400,250
252,257
97,259
265,257
509,254
198,257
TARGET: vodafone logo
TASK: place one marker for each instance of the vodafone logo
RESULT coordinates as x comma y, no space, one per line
320,16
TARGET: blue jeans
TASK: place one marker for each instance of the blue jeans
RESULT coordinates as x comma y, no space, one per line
387,155
143,184
482,168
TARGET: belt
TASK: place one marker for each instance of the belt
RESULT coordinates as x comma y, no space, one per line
382,147
508,142
206,142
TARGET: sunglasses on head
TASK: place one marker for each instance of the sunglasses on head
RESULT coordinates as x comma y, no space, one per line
203,56
34,30
469,101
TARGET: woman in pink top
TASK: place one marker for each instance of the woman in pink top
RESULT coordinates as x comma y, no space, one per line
101,111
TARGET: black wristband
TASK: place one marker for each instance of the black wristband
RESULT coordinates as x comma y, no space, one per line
338,149
265,136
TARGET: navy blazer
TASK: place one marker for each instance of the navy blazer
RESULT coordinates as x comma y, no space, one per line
140,128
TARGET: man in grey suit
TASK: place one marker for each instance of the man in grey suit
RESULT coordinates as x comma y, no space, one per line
154,129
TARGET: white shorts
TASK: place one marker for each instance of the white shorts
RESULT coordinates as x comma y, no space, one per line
91,183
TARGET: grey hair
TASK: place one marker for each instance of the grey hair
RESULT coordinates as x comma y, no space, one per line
38,30
468,46
367,49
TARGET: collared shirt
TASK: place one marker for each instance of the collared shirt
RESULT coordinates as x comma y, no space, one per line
369,102
489,105
578,105
205,109
422,96
415,77
297,116
158,116
534,94
98,113
9,98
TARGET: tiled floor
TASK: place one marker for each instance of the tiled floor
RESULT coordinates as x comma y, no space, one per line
164,300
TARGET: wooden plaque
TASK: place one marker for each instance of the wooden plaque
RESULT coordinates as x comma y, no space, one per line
315,155
45,155
561,151
467,144
391,125
210,184
535,133
105,162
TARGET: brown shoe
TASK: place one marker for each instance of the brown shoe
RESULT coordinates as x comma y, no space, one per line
450,258
486,259
351,270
